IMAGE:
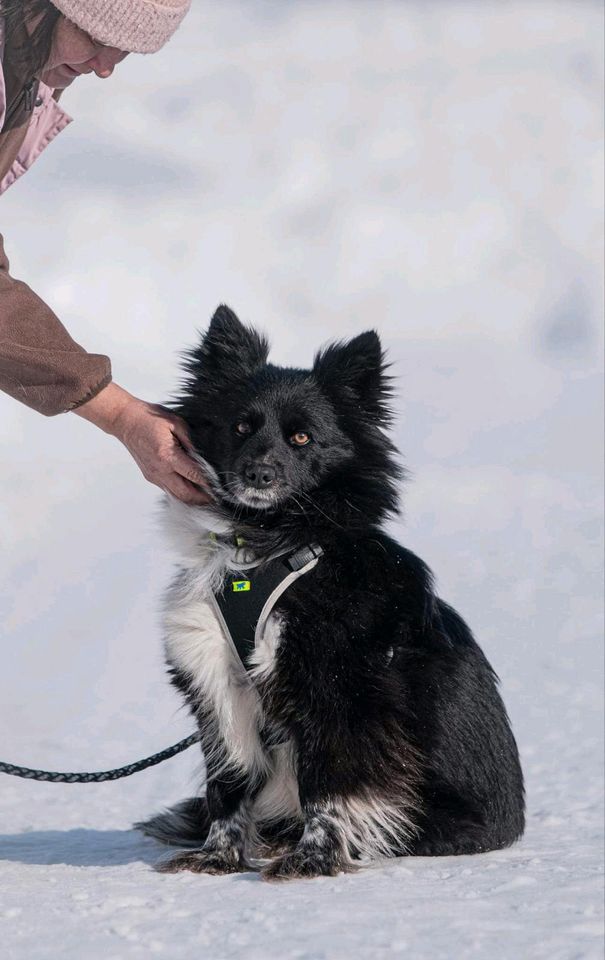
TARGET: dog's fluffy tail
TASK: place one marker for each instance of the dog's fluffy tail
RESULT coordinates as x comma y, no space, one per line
184,825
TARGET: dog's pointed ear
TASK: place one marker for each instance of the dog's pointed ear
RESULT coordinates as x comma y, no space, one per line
229,350
356,370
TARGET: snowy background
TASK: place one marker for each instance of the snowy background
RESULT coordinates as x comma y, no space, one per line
431,170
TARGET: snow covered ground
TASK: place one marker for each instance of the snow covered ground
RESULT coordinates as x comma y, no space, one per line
433,170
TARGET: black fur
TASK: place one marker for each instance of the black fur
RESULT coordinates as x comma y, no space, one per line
379,685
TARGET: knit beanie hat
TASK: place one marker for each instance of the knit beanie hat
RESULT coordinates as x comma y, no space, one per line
136,26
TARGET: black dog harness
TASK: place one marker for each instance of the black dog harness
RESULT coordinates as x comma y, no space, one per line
248,595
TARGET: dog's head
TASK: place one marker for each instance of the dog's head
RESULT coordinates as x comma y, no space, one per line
305,440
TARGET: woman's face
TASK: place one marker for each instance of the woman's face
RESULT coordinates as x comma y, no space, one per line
74,53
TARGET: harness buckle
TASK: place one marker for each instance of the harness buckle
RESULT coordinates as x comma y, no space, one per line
301,558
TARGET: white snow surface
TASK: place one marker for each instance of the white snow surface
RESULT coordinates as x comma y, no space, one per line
432,170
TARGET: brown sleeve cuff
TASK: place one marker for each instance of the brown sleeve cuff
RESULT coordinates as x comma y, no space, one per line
40,364
49,391
93,392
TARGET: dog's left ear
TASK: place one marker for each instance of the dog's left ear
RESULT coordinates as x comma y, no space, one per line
229,350
357,370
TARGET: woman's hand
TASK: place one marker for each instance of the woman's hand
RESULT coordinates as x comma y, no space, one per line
156,439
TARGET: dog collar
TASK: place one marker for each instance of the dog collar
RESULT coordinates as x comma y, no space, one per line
234,540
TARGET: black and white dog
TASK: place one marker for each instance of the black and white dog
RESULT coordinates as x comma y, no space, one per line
366,721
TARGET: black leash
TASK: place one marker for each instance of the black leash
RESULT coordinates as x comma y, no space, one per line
28,774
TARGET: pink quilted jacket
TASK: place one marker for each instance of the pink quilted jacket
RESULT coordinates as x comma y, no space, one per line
48,119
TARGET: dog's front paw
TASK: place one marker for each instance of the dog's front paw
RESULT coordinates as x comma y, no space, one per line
302,865
216,862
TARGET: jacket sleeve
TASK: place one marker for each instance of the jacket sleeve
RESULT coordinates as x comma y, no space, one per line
40,364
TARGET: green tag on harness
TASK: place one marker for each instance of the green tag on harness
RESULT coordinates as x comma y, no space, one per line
238,586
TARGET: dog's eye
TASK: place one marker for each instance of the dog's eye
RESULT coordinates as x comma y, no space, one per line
300,438
243,428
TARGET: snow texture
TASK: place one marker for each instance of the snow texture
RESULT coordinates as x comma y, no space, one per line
431,170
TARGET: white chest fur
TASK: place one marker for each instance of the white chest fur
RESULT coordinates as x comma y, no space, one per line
197,646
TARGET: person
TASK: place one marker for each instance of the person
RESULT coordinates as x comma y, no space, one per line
44,48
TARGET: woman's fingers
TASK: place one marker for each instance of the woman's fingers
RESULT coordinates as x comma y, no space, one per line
184,464
190,471
185,491
179,428
159,443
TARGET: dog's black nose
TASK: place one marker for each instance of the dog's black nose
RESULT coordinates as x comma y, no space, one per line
260,475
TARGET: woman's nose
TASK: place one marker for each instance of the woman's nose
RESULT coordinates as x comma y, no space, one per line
104,62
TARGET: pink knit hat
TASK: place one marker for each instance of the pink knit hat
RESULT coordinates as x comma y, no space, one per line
138,26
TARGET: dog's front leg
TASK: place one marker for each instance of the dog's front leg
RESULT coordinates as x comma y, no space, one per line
224,848
356,793
321,850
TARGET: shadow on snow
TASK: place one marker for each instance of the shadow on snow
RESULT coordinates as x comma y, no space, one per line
79,848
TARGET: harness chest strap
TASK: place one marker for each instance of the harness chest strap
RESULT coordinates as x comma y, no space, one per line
247,598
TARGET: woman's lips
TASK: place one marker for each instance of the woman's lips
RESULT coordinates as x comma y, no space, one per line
69,71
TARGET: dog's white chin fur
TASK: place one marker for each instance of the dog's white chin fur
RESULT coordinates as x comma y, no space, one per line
257,500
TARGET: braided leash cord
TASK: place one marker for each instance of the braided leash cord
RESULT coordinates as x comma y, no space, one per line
28,774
